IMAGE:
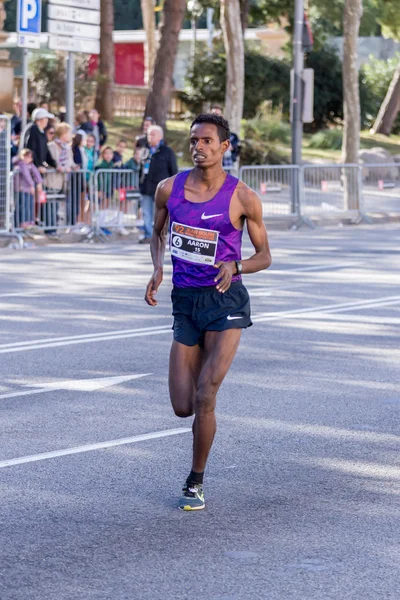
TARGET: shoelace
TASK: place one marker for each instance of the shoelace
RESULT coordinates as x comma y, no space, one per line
190,492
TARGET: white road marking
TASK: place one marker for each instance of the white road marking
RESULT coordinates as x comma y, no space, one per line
89,447
150,331
328,308
68,341
78,385
317,268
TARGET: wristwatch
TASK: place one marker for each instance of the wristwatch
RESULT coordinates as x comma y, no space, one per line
239,267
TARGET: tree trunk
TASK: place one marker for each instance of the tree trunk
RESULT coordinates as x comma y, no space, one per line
390,107
150,47
159,98
244,13
234,48
105,86
351,100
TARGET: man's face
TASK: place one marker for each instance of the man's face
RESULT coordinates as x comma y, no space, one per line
94,116
42,123
155,137
216,111
206,148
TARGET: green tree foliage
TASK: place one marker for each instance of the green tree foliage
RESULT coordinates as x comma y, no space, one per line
265,78
376,76
50,76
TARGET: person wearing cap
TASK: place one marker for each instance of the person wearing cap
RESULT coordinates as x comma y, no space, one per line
36,140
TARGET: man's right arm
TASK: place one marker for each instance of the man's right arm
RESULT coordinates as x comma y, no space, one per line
159,238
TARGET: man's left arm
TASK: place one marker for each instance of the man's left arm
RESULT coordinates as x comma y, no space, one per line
252,210
261,259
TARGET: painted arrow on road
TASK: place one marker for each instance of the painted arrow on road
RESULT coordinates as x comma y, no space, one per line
76,385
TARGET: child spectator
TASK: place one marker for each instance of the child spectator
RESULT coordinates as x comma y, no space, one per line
81,158
118,156
90,151
106,181
26,180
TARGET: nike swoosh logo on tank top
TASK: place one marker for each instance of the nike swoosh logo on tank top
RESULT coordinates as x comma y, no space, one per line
204,216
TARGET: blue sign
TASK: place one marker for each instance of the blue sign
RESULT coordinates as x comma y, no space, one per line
29,16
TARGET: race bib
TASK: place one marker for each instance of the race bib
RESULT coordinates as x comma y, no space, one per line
194,244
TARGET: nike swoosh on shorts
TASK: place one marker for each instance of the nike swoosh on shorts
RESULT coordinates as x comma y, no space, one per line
230,318
204,216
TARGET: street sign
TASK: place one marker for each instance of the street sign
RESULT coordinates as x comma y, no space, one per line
28,41
79,15
90,4
77,30
29,15
69,44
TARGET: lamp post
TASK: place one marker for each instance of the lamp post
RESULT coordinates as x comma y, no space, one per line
195,9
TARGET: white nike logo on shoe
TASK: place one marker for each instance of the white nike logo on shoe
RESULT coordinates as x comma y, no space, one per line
204,216
230,318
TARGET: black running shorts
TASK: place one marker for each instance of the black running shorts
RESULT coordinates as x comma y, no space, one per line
197,310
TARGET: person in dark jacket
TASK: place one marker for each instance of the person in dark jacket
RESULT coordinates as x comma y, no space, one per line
159,164
36,140
96,126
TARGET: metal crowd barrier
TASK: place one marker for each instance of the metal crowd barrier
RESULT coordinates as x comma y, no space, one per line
67,200
331,190
381,188
277,186
116,200
108,200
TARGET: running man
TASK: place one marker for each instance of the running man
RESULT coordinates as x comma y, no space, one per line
207,210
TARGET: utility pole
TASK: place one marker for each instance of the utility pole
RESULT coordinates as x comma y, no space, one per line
24,90
70,95
297,96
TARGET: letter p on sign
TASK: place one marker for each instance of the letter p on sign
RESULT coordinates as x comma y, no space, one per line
29,16
29,11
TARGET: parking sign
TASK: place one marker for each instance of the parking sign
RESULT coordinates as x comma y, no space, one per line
29,16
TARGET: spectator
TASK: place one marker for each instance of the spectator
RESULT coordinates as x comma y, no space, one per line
26,180
79,180
44,105
133,164
61,152
142,141
78,151
36,140
232,154
106,181
118,156
50,132
96,126
91,152
30,108
160,164
16,121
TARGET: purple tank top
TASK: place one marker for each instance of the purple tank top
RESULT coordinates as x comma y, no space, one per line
201,234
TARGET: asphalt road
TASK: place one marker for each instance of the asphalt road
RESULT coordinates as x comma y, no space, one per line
303,483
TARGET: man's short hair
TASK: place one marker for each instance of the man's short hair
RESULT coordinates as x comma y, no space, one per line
222,125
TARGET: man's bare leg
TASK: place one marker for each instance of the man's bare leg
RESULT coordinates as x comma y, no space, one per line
220,349
184,370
